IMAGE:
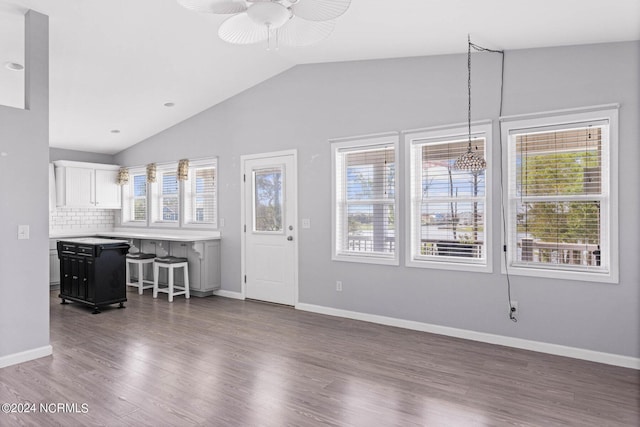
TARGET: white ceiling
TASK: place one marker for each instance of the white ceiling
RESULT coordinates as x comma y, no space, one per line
114,63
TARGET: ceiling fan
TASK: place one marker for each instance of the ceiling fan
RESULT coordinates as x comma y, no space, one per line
287,22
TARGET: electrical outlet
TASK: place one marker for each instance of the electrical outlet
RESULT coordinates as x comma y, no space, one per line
513,306
339,286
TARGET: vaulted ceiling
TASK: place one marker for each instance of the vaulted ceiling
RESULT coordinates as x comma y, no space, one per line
115,63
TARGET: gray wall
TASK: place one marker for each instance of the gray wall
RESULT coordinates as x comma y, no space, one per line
80,156
305,106
24,136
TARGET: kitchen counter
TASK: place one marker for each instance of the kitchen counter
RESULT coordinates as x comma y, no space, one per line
137,233
94,241
200,247
175,236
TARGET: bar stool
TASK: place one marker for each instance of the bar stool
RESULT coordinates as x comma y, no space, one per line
140,259
171,263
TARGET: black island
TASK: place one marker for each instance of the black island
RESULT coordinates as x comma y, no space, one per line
92,271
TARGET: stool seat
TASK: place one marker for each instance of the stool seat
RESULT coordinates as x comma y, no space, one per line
170,260
140,259
141,255
171,263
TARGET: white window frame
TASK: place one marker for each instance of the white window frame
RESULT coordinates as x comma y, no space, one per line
355,143
189,198
414,139
156,198
128,200
609,199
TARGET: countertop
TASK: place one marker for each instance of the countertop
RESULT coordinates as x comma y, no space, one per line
137,233
94,241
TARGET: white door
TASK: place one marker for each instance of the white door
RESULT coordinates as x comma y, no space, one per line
270,222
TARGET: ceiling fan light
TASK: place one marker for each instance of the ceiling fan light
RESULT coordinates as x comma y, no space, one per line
269,14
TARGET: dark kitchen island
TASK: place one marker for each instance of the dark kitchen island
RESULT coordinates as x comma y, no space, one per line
92,271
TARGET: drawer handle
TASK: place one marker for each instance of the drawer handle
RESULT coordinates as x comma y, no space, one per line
74,277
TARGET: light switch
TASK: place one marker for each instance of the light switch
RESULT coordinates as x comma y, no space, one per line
221,222
23,232
306,223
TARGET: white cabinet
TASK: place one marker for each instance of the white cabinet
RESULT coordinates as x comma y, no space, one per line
74,187
107,190
87,185
204,264
203,257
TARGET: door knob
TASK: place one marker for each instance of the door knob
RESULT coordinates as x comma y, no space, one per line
290,238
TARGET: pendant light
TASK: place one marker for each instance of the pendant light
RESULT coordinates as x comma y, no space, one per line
471,161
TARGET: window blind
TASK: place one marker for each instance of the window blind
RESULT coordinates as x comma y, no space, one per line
448,205
203,202
556,197
139,197
365,194
169,197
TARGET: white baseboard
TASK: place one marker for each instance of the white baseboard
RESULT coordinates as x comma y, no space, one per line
228,294
25,356
559,350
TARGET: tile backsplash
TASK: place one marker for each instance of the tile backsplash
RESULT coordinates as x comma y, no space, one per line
78,219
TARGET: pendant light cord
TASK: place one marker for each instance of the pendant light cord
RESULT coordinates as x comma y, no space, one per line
469,87
512,317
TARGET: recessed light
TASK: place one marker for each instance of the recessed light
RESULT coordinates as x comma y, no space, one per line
115,130
169,104
13,66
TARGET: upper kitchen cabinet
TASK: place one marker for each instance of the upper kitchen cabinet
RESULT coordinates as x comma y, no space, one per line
87,185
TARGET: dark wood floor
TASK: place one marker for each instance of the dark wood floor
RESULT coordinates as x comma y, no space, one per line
217,362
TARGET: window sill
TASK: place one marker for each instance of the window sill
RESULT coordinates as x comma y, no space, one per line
366,259
161,224
450,265
600,277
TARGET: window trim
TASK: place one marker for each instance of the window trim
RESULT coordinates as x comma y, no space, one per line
440,133
127,198
185,222
155,219
377,140
561,119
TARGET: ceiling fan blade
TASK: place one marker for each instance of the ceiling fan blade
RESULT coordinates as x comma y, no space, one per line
300,32
215,6
240,29
320,10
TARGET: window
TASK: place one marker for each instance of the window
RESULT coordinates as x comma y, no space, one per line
561,197
365,200
165,197
449,209
268,199
134,207
201,202
168,201
192,203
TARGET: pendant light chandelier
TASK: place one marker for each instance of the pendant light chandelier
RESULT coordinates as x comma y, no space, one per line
471,161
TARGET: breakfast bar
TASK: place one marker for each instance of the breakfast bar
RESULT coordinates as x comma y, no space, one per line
201,248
